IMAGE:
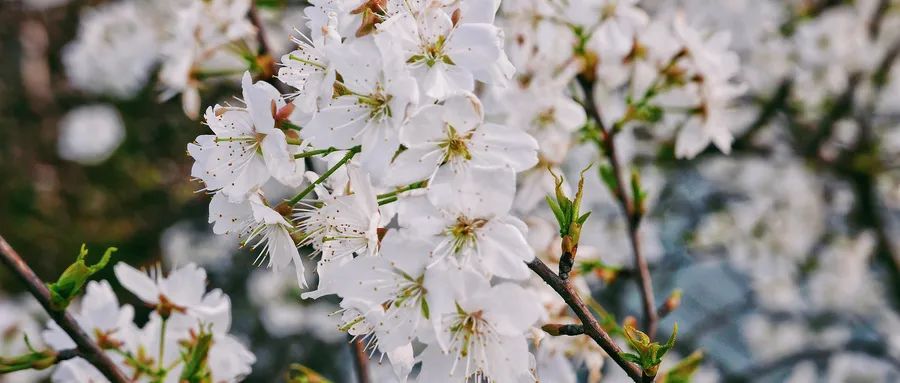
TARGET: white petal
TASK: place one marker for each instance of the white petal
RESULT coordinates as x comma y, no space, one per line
137,282
503,250
474,192
512,309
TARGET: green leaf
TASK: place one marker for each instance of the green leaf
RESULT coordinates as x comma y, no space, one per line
630,357
576,205
638,341
73,279
608,177
557,212
649,353
684,370
561,199
583,218
670,343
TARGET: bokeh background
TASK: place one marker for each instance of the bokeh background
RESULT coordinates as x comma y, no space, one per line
786,250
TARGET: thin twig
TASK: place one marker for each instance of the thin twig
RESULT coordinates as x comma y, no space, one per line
264,53
253,14
88,348
632,213
591,326
64,355
360,360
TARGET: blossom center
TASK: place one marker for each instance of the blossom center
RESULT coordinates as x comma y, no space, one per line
469,330
432,53
410,291
464,232
379,105
546,118
455,145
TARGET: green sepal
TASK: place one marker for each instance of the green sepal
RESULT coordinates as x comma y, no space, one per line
425,312
195,366
73,279
37,360
648,113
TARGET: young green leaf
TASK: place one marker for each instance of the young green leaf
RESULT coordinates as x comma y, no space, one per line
73,279
684,370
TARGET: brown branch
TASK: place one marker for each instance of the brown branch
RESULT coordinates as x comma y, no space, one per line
632,212
87,347
64,355
874,25
264,54
360,360
591,326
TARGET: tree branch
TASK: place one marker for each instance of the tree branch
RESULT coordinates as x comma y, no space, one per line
264,55
87,347
632,212
360,360
591,326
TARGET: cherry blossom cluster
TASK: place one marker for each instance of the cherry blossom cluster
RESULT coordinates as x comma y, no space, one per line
414,138
192,42
185,338
639,70
385,92
434,149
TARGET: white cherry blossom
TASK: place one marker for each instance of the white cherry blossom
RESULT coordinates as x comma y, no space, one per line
257,224
444,57
470,216
482,336
369,109
247,147
455,135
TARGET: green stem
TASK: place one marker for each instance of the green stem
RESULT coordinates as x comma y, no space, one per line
316,152
412,186
352,152
162,343
387,201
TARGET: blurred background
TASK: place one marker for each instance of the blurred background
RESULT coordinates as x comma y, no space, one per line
787,251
